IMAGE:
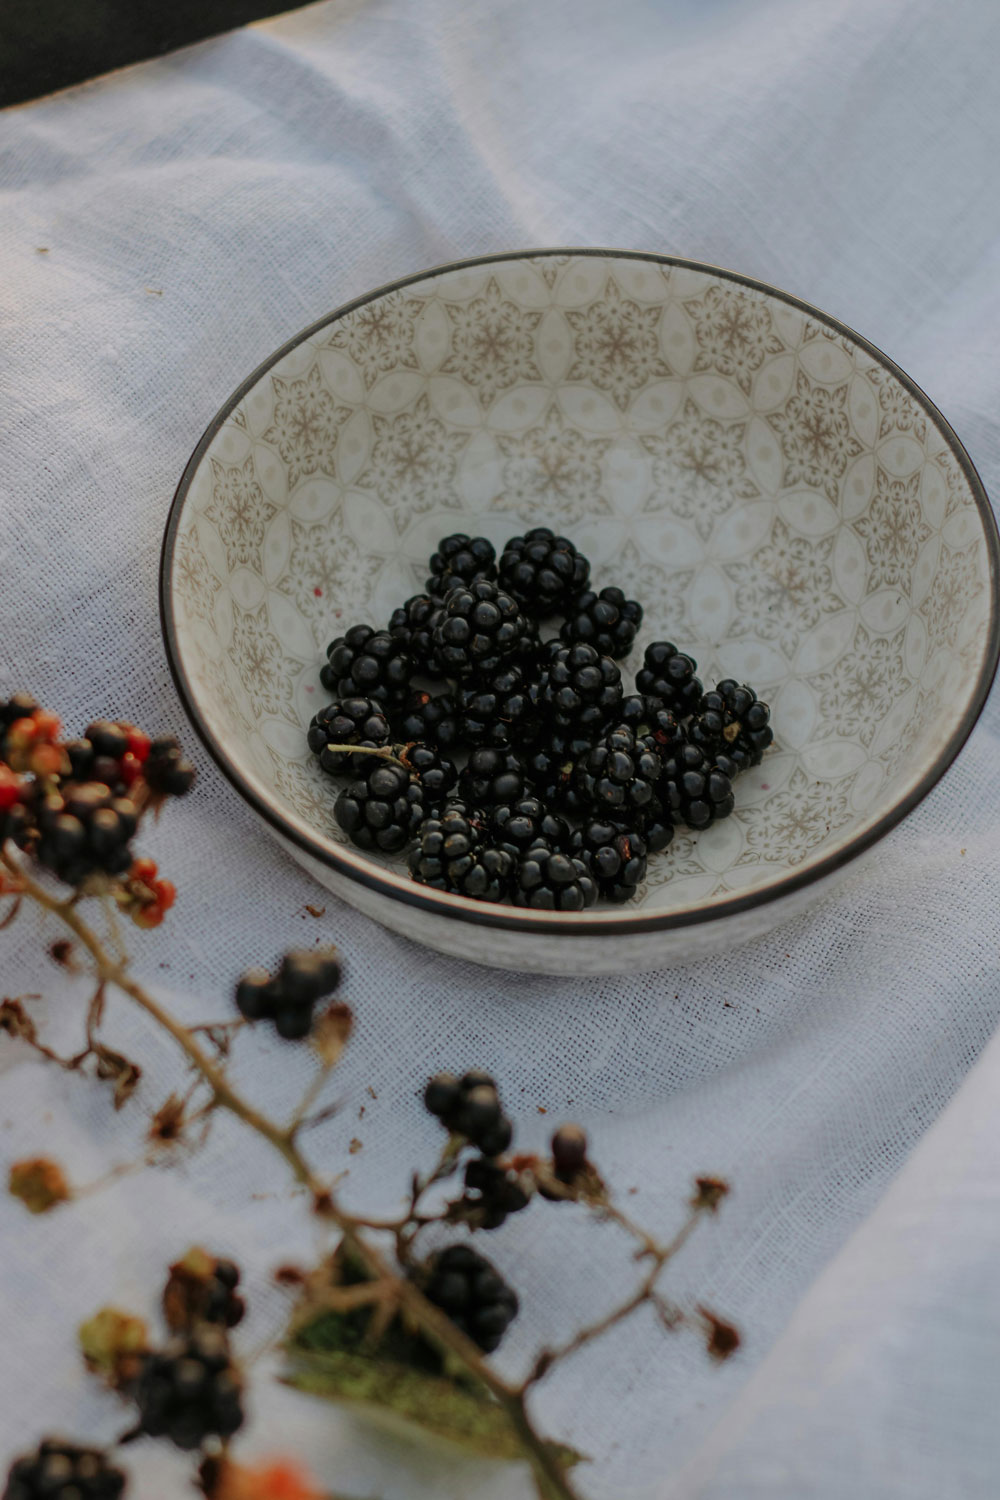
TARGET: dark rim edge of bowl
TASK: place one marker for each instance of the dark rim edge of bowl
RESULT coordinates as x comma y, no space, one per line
569,925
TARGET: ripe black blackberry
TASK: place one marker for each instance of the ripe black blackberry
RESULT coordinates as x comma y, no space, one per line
498,710
492,776
580,689
517,826
460,559
695,788
412,625
496,1192
83,829
202,1289
479,629
470,1106
287,998
190,1390
435,774
620,773
647,718
367,663
542,571
669,675
472,1292
17,706
614,855
732,720
607,621
454,852
381,810
347,721
59,1470
551,768
431,718
552,881
166,769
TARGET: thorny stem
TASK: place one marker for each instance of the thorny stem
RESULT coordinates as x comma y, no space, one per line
436,1324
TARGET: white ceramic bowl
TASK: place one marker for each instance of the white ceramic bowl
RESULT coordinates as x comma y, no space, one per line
783,500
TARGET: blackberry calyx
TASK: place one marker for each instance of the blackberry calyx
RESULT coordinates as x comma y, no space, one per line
190,1390
58,1470
466,1286
470,1106
669,675
347,721
542,571
460,559
479,629
551,881
607,621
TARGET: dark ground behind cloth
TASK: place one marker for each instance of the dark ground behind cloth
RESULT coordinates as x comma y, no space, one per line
48,44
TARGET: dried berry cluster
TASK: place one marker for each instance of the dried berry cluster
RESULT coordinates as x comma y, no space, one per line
570,781
74,805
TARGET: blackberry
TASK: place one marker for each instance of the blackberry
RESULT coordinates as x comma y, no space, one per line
580,689
695,789
607,621
460,559
552,881
202,1289
166,770
479,629
620,773
492,776
464,1284
470,1106
732,720
367,663
542,571
412,625
430,718
497,1192
304,977
498,710
551,768
381,810
517,826
84,829
656,826
614,855
453,853
648,718
669,675
347,721
63,1471
189,1390
107,738
18,706
433,772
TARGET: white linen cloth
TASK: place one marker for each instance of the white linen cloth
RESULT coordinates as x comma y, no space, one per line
194,213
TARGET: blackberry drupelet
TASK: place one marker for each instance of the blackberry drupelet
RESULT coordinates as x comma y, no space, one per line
368,663
498,710
614,855
59,1470
607,621
695,789
166,770
517,826
412,625
430,718
472,1292
460,559
497,1192
189,1390
552,881
731,719
668,675
544,572
83,830
620,774
492,776
480,628
347,721
454,852
304,977
470,1106
381,810
580,689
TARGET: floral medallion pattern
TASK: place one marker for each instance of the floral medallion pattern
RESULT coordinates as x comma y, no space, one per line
780,503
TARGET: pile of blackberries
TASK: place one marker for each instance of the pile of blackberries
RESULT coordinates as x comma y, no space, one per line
190,1390
63,1471
287,997
462,669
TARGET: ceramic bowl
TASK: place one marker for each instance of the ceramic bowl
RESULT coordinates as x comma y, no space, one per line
783,500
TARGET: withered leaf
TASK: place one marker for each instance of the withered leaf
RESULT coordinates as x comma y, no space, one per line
167,1124
39,1183
118,1069
15,1020
332,1032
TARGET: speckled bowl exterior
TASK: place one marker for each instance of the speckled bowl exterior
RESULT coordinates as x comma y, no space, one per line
783,500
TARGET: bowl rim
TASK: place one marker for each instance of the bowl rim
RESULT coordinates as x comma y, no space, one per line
572,924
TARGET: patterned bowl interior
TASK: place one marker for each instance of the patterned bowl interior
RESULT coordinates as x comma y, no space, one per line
780,503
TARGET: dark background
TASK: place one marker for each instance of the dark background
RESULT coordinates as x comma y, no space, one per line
49,44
